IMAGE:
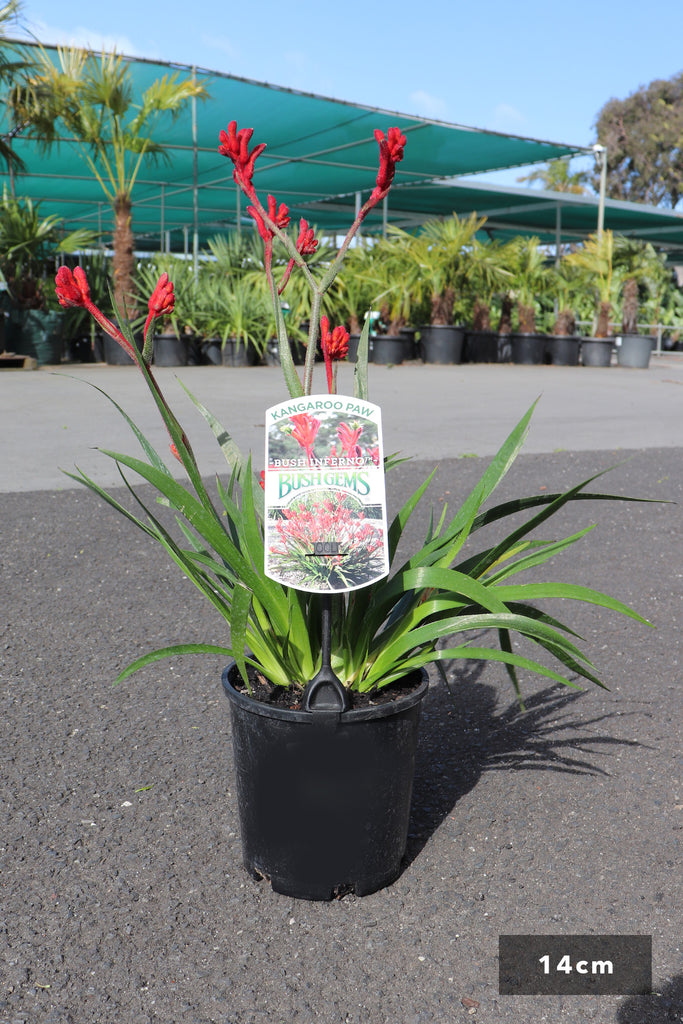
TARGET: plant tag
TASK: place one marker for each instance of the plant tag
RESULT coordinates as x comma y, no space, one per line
326,519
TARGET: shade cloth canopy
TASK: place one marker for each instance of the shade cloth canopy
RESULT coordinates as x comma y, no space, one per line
318,149
321,156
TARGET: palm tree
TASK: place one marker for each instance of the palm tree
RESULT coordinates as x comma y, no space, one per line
439,257
555,177
596,260
487,274
92,98
13,64
532,278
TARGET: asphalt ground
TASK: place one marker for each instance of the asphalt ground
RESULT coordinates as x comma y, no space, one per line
123,898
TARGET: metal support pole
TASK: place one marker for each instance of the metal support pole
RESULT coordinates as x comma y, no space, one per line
558,233
601,160
385,211
358,206
195,184
238,211
162,245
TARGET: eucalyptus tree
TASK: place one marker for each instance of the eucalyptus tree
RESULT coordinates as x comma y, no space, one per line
643,134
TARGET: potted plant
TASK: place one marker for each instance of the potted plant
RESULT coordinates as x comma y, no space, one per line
358,288
175,340
633,259
394,275
439,260
595,261
562,346
325,686
531,281
30,247
488,274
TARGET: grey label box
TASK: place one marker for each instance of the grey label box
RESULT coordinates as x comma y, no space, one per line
534,965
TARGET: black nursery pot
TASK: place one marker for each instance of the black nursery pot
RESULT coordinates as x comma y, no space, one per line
324,797
563,349
440,343
528,349
388,349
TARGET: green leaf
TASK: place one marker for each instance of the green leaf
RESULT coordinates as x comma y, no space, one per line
360,374
171,652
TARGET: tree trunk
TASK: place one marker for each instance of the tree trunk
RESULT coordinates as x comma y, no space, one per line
603,325
565,323
630,307
505,323
527,319
442,307
481,316
123,262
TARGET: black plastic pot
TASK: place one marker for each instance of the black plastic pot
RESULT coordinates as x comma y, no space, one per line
528,349
40,336
596,351
272,353
409,343
237,353
482,347
211,352
79,350
440,343
171,350
388,349
115,355
563,349
324,797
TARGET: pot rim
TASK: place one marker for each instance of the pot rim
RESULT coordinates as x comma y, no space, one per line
385,710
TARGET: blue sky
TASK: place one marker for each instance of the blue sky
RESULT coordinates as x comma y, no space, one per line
533,69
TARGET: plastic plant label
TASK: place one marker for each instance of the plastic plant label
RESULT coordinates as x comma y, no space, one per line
326,520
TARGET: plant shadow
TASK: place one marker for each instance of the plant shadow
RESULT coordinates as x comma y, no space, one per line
661,1007
464,734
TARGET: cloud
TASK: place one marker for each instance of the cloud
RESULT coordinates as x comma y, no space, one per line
87,38
429,106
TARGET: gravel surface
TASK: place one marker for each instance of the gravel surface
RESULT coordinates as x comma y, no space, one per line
123,896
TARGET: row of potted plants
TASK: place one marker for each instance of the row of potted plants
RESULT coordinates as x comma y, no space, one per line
441,294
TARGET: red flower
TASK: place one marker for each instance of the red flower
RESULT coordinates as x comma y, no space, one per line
72,288
390,153
161,302
235,145
374,454
162,299
349,440
280,217
306,243
262,479
335,346
305,431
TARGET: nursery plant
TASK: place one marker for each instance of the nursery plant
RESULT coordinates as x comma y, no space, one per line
435,605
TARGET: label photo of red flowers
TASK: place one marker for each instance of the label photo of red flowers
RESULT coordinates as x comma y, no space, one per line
326,520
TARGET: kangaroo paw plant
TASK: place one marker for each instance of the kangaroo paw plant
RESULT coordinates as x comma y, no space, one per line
433,606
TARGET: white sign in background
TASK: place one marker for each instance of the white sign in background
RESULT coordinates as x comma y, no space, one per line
326,520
